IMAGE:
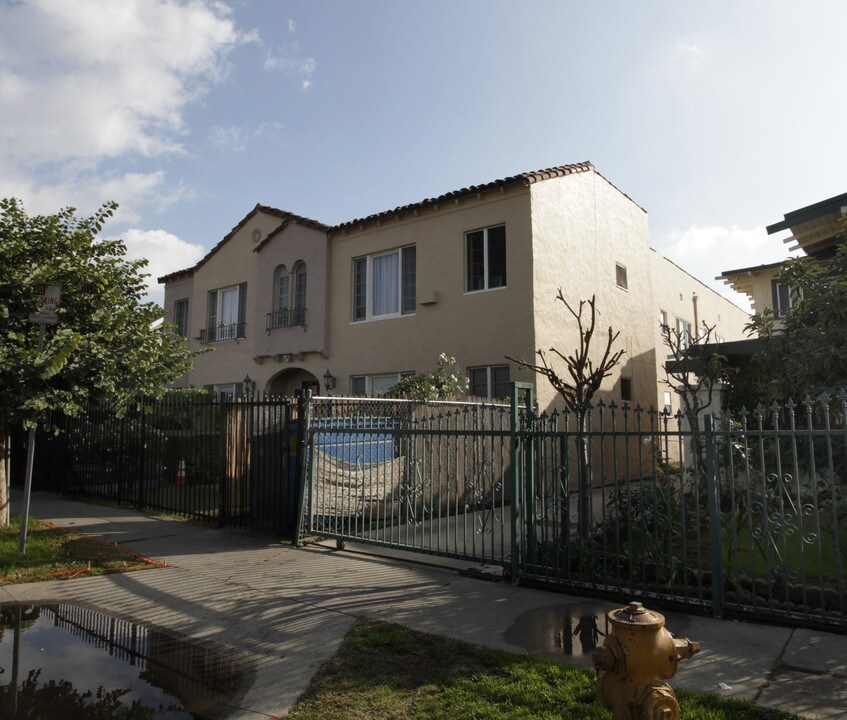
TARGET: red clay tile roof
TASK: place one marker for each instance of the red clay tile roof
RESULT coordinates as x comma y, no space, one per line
287,218
526,178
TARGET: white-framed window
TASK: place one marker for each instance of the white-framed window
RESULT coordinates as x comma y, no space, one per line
181,317
227,314
288,312
683,328
620,276
374,385
784,298
485,258
663,318
384,284
282,289
300,286
667,401
224,393
489,382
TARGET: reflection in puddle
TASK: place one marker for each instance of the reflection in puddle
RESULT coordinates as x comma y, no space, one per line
567,632
69,661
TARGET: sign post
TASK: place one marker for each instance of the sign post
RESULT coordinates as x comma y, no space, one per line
49,296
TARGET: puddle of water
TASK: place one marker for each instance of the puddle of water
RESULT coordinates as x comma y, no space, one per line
566,632
69,661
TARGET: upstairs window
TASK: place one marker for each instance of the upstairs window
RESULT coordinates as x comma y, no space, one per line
784,298
384,285
282,289
683,328
285,314
300,294
227,314
181,317
485,258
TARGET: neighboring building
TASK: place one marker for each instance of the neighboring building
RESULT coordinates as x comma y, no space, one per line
814,230
473,273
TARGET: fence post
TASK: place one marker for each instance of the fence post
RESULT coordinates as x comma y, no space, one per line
517,471
714,499
142,444
304,411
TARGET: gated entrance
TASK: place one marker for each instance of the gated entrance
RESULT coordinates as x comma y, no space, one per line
744,513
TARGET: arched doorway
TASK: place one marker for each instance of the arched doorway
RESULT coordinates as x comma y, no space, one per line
292,381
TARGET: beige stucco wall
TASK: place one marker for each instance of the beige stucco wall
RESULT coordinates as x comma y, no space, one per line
675,292
241,260
583,227
296,243
478,329
756,284
567,233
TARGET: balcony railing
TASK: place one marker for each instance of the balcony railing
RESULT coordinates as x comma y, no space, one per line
221,332
286,317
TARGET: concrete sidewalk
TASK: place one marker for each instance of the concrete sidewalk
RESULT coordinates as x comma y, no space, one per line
286,610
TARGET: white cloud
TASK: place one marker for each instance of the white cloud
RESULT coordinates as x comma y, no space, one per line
706,252
97,78
81,186
165,253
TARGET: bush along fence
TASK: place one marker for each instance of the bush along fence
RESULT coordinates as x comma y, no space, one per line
226,463
744,513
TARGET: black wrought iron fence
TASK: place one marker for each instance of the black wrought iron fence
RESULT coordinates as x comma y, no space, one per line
223,462
744,512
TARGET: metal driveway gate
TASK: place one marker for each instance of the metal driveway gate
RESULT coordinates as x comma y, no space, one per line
746,513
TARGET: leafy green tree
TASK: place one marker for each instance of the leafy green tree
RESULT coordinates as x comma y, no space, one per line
808,352
444,383
105,343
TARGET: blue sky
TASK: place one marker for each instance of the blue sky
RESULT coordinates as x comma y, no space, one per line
715,117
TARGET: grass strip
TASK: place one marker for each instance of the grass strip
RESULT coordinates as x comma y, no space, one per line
384,671
54,553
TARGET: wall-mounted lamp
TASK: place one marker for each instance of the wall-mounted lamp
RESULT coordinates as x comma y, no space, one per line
329,380
248,385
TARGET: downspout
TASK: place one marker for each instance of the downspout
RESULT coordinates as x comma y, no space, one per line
696,319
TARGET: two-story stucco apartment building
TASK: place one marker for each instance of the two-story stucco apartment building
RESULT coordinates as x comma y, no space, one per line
473,273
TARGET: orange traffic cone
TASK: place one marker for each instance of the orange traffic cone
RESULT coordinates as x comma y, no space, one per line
180,473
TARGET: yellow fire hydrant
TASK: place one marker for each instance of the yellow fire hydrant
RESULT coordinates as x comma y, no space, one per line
636,658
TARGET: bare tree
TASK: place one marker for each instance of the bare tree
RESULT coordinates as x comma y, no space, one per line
577,390
693,371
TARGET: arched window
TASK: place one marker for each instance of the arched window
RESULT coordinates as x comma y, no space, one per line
300,293
282,285
281,315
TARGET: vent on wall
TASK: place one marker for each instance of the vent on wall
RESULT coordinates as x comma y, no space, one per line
620,276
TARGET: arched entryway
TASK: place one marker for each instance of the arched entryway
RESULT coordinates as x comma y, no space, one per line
292,381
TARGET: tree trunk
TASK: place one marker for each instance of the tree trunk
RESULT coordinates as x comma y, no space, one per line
584,478
4,477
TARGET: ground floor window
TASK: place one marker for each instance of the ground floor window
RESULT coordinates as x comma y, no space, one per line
489,382
374,385
225,393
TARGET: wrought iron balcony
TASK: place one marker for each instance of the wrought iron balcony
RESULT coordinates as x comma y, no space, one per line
286,317
221,332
